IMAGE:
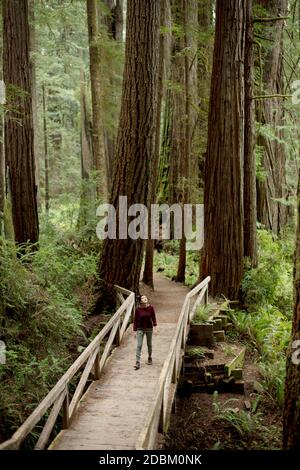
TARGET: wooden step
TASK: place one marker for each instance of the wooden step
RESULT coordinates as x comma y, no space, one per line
219,336
236,363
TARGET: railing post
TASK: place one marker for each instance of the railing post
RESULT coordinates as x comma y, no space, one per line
97,364
66,417
117,338
174,372
161,418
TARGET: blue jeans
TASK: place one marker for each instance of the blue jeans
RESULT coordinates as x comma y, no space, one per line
140,336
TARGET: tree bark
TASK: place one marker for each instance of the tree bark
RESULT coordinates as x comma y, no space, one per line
2,178
114,24
291,414
46,159
19,132
271,213
34,93
2,159
250,215
121,259
86,198
100,163
222,257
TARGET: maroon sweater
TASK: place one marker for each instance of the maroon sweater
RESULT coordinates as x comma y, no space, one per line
144,318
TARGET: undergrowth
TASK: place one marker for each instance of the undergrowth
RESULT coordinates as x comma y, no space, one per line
266,322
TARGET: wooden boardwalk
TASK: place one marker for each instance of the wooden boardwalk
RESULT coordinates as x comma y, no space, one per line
113,411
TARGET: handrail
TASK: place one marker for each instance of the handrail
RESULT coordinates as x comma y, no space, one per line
158,416
59,394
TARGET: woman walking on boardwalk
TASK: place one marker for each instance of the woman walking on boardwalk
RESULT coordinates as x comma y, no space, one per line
144,321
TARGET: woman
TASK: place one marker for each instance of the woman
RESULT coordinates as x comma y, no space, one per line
144,321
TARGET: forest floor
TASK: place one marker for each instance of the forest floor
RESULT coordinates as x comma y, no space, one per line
222,422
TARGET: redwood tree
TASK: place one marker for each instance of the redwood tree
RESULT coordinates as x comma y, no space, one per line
270,212
222,257
121,259
18,127
250,238
100,163
164,50
291,415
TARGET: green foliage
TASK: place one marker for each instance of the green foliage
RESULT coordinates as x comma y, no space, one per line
40,313
166,262
202,313
270,284
243,422
248,425
195,353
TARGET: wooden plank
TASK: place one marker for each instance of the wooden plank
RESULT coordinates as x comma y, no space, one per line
198,287
123,290
66,418
45,434
81,384
108,346
179,335
236,362
197,303
55,392
126,319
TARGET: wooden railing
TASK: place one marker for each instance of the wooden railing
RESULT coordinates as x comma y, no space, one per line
94,360
158,417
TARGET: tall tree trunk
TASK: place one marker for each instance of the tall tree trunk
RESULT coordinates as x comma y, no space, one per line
163,52
271,213
2,178
46,157
205,52
114,24
121,259
291,414
165,151
223,195
19,133
34,94
250,216
2,159
190,23
205,46
100,163
86,199
115,21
